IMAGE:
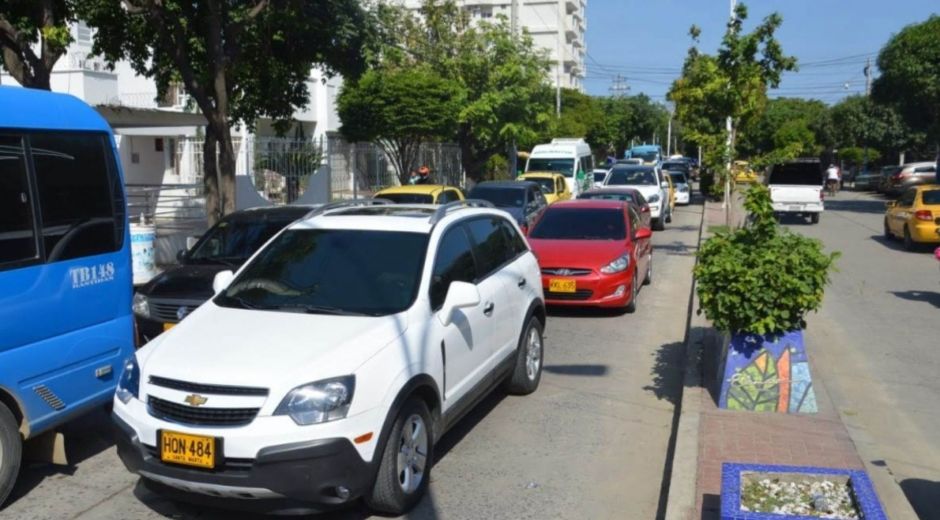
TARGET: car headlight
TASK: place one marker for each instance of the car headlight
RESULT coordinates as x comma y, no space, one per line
141,306
619,264
653,198
129,384
319,402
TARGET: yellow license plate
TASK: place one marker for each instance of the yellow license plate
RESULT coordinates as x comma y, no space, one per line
168,326
186,449
563,286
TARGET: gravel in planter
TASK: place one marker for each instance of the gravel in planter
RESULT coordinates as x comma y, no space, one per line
823,496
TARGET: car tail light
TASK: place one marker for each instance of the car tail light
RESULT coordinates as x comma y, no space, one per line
898,176
822,195
923,214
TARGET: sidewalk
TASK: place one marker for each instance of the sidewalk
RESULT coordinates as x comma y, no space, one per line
708,436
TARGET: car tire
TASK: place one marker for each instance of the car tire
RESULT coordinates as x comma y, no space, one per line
395,491
527,370
669,216
11,452
909,243
634,290
649,271
658,224
814,218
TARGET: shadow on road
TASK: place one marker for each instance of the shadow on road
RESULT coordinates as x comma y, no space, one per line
584,312
578,370
888,242
924,496
930,297
85,437
675,248
667,372
856,205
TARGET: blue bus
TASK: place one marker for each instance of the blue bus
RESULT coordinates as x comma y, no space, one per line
65,267
648,153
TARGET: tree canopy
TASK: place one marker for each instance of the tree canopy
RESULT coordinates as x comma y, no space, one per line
399,109
238,60
27,23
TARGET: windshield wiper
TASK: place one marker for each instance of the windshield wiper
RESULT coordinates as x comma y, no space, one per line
243,303
321,309
218,260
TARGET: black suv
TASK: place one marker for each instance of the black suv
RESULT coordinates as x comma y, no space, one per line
162,302
523,200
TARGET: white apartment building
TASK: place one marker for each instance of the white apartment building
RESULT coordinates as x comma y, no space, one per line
557,26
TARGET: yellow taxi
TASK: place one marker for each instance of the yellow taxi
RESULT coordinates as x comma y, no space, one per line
553,185
743,173
421,194
915,216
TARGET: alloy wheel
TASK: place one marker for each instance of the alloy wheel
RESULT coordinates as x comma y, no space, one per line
533,356
412,454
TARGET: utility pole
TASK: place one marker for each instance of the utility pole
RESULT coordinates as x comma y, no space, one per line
865,130
729,128
669,133
619,87
560,61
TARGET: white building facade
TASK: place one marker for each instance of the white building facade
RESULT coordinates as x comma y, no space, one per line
558,26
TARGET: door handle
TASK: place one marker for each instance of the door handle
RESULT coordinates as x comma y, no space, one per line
521,283
488,309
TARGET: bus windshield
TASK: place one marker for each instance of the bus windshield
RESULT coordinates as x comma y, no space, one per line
557,165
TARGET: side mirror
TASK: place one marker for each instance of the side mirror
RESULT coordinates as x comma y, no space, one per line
643,233
181,255
459,295
222,280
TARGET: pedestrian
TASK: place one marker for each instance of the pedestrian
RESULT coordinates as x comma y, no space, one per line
832,178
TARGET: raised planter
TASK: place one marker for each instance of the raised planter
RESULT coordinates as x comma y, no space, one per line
766,374
735,478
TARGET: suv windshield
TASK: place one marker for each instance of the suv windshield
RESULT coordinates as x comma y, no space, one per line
562,166
632,176
332,271
581,224
678,178
233,241
500,197
408,198
797,173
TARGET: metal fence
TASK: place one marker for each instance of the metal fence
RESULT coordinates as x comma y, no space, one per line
281,167
361,169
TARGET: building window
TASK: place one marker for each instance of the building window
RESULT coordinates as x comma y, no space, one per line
486,11
82,33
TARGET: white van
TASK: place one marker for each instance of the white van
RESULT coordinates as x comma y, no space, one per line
570,157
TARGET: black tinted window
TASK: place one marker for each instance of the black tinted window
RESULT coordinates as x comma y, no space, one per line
447,196
17,235
75,194
931,197
454,263
492,247
800,174
516,242
235,240
631,176
908,198
501,197
408,198
581,224
634,219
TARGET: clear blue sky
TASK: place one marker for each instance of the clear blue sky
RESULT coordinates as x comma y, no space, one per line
646,40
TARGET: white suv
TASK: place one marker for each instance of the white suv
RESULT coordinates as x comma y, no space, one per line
326,369
650,182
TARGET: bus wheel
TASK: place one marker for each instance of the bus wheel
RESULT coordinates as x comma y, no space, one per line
11,449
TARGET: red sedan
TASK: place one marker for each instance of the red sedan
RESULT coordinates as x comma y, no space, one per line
593,253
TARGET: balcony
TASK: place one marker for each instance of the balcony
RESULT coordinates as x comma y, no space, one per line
572,5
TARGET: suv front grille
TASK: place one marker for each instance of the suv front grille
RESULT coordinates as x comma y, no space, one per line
583,294
183,414
199,388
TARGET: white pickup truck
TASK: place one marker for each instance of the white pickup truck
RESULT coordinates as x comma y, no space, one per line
796,188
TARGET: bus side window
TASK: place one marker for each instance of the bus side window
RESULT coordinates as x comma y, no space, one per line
17,231
75,194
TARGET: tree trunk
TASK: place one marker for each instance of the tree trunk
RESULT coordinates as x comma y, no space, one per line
227,170
210,176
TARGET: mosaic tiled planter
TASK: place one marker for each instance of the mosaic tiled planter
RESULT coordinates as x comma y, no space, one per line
733,474
766,374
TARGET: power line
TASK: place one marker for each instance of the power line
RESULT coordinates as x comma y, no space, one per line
619,87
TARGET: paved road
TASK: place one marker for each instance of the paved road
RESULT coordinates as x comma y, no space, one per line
591,443
876,343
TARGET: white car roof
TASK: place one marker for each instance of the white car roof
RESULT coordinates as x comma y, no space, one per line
413,218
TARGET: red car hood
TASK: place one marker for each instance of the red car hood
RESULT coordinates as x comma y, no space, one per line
582,254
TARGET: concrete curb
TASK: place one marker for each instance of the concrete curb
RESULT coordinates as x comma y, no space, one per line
681,501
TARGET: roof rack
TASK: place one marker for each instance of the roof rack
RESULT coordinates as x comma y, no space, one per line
351,203
442,211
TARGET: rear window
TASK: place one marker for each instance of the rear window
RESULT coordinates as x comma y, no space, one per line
676,166
408,198
500,197
802,174
931,197
632,176
581,224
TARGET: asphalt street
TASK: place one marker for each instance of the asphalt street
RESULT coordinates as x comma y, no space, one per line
875,344
590,443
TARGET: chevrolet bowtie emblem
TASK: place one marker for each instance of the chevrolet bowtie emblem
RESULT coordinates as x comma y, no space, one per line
195,400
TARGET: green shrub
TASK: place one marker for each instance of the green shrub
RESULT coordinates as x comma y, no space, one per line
761,279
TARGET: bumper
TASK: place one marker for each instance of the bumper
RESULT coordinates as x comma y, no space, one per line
287,478
682,197
925,232
798,207
656,210
595,290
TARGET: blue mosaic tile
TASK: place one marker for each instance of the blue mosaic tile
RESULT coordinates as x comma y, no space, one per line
866,499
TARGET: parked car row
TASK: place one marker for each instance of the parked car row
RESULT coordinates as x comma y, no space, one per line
895,180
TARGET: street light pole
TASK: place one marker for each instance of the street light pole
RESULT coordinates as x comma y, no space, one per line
729,128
